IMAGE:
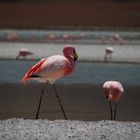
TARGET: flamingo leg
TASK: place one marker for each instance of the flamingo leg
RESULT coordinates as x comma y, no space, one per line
115,111
55,92
40,100
105,58
110,106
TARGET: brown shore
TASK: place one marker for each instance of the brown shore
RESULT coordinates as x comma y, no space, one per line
81,102
80,13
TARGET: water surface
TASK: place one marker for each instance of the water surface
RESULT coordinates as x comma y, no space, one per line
12,71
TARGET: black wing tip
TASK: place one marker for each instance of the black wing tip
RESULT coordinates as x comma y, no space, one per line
34,76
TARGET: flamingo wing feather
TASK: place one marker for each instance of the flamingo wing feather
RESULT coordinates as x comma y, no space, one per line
36,68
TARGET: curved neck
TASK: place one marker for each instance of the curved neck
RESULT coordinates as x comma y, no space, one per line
71,60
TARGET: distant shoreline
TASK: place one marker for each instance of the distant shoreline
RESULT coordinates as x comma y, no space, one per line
71,28
83,61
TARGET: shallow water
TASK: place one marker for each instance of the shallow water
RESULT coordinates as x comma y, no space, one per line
12,71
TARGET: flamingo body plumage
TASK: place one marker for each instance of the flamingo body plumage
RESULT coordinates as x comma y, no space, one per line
52,68
113,91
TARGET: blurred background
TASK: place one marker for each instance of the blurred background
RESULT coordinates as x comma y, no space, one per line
83,14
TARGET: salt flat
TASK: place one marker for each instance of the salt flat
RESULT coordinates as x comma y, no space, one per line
86,52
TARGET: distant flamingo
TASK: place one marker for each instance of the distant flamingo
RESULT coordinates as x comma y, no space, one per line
68,37
23,53
114,39
113,90
13,36
108,54
51,69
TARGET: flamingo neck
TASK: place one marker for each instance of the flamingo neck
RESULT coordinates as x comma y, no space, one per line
70,58
110,96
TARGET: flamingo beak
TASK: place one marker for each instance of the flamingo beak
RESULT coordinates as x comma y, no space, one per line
75,57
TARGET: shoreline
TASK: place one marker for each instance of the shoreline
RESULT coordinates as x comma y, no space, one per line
80,101
83,61
75,28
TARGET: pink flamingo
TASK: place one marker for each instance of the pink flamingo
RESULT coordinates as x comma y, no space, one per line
13,36
68,37
113,39
23,53
116,39
113,91
51,69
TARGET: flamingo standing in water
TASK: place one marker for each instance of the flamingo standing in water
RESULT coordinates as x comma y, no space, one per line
23,53
108,54
113,91
51,69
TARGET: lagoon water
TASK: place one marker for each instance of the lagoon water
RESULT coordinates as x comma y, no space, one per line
12,71
76,90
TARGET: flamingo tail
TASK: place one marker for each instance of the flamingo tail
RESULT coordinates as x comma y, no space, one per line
36,68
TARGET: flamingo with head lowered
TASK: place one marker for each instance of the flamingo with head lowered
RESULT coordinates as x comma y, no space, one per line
113,91
24,53
51,69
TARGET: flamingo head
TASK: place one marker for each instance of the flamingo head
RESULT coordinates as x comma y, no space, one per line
70,52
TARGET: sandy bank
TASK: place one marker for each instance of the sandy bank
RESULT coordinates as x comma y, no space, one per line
68,130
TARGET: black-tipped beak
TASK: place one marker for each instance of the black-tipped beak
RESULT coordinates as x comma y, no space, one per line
75,57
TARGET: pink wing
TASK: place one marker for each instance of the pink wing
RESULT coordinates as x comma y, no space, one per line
35,68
